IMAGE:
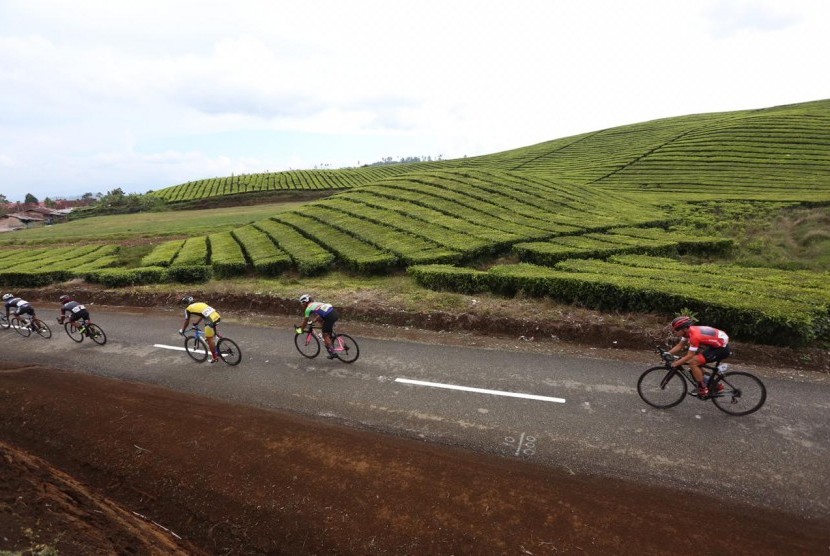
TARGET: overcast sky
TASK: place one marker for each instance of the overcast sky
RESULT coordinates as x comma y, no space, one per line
99,94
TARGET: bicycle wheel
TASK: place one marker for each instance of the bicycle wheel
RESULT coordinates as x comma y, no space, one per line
229,351
346,349
307,344
42,328
743,393
196,348
96,334
660,389
22,329
73,332
4,322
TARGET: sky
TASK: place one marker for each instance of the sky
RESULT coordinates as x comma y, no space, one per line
102,94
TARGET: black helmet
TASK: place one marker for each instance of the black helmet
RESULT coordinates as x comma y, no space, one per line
187,300
681,322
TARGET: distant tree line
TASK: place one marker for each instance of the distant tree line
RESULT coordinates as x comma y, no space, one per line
403,160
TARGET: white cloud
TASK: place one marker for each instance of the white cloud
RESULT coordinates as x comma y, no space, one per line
96,94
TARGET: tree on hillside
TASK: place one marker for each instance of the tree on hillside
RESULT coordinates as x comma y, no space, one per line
31,199
49,203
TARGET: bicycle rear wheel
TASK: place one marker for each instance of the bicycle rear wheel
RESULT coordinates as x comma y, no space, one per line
196,348
229,351
74,332
307,344
20,328
42,328
346,349
661,388
96,334
743,393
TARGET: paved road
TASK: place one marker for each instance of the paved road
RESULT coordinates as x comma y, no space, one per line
587,418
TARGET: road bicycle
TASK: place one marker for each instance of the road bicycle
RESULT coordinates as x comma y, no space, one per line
25,327
197,348
309,339
84,328
733,392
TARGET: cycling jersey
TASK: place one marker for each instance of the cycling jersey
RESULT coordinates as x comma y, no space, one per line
12,302
76,311
320,309
706,336
203,310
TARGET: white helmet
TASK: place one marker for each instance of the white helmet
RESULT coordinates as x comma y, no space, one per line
7,296
305,298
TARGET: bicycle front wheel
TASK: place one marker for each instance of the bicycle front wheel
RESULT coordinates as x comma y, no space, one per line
307,344
661,388
42,328
98,336
4,322
346,349
73,332
196,348
229,351
22,329
743,393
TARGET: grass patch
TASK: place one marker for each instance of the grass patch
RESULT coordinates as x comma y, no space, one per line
155,225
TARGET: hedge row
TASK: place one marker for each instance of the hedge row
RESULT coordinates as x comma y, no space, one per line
194,252
163,253
308,256
751,316
119,277
226,255
600,246
263,253
355,254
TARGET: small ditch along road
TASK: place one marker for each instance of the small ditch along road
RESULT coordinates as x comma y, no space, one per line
133,447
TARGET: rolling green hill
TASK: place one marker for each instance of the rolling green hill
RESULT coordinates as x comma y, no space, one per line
636,190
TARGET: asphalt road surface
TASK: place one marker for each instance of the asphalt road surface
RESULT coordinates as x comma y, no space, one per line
577,413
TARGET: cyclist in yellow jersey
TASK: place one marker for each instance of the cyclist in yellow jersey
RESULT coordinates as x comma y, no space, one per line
202,312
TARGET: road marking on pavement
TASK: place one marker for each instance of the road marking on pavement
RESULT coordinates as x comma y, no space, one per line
177,348
481,390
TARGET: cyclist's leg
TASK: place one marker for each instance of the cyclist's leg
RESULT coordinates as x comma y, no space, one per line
210,336
328,329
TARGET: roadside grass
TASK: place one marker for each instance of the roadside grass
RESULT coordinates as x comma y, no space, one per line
149,225
774,236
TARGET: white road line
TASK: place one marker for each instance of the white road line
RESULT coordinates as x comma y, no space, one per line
480,390
177,348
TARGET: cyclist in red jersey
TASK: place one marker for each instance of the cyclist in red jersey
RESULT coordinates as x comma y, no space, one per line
704,344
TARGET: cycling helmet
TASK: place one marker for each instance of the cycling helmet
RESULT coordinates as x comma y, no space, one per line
681,322
187,300
305,298
7,296
64,299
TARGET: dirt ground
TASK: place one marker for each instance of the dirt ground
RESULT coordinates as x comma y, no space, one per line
90,465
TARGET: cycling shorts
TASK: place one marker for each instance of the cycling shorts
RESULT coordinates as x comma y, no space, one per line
711,353
328,322
25,310
83,314
210,327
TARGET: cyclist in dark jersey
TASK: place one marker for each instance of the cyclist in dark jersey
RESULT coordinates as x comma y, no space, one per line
321,313
77,312
21,307
704,344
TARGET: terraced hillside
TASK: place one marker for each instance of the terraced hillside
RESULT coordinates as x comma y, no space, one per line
589,197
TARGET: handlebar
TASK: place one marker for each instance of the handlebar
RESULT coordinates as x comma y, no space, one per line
667,357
